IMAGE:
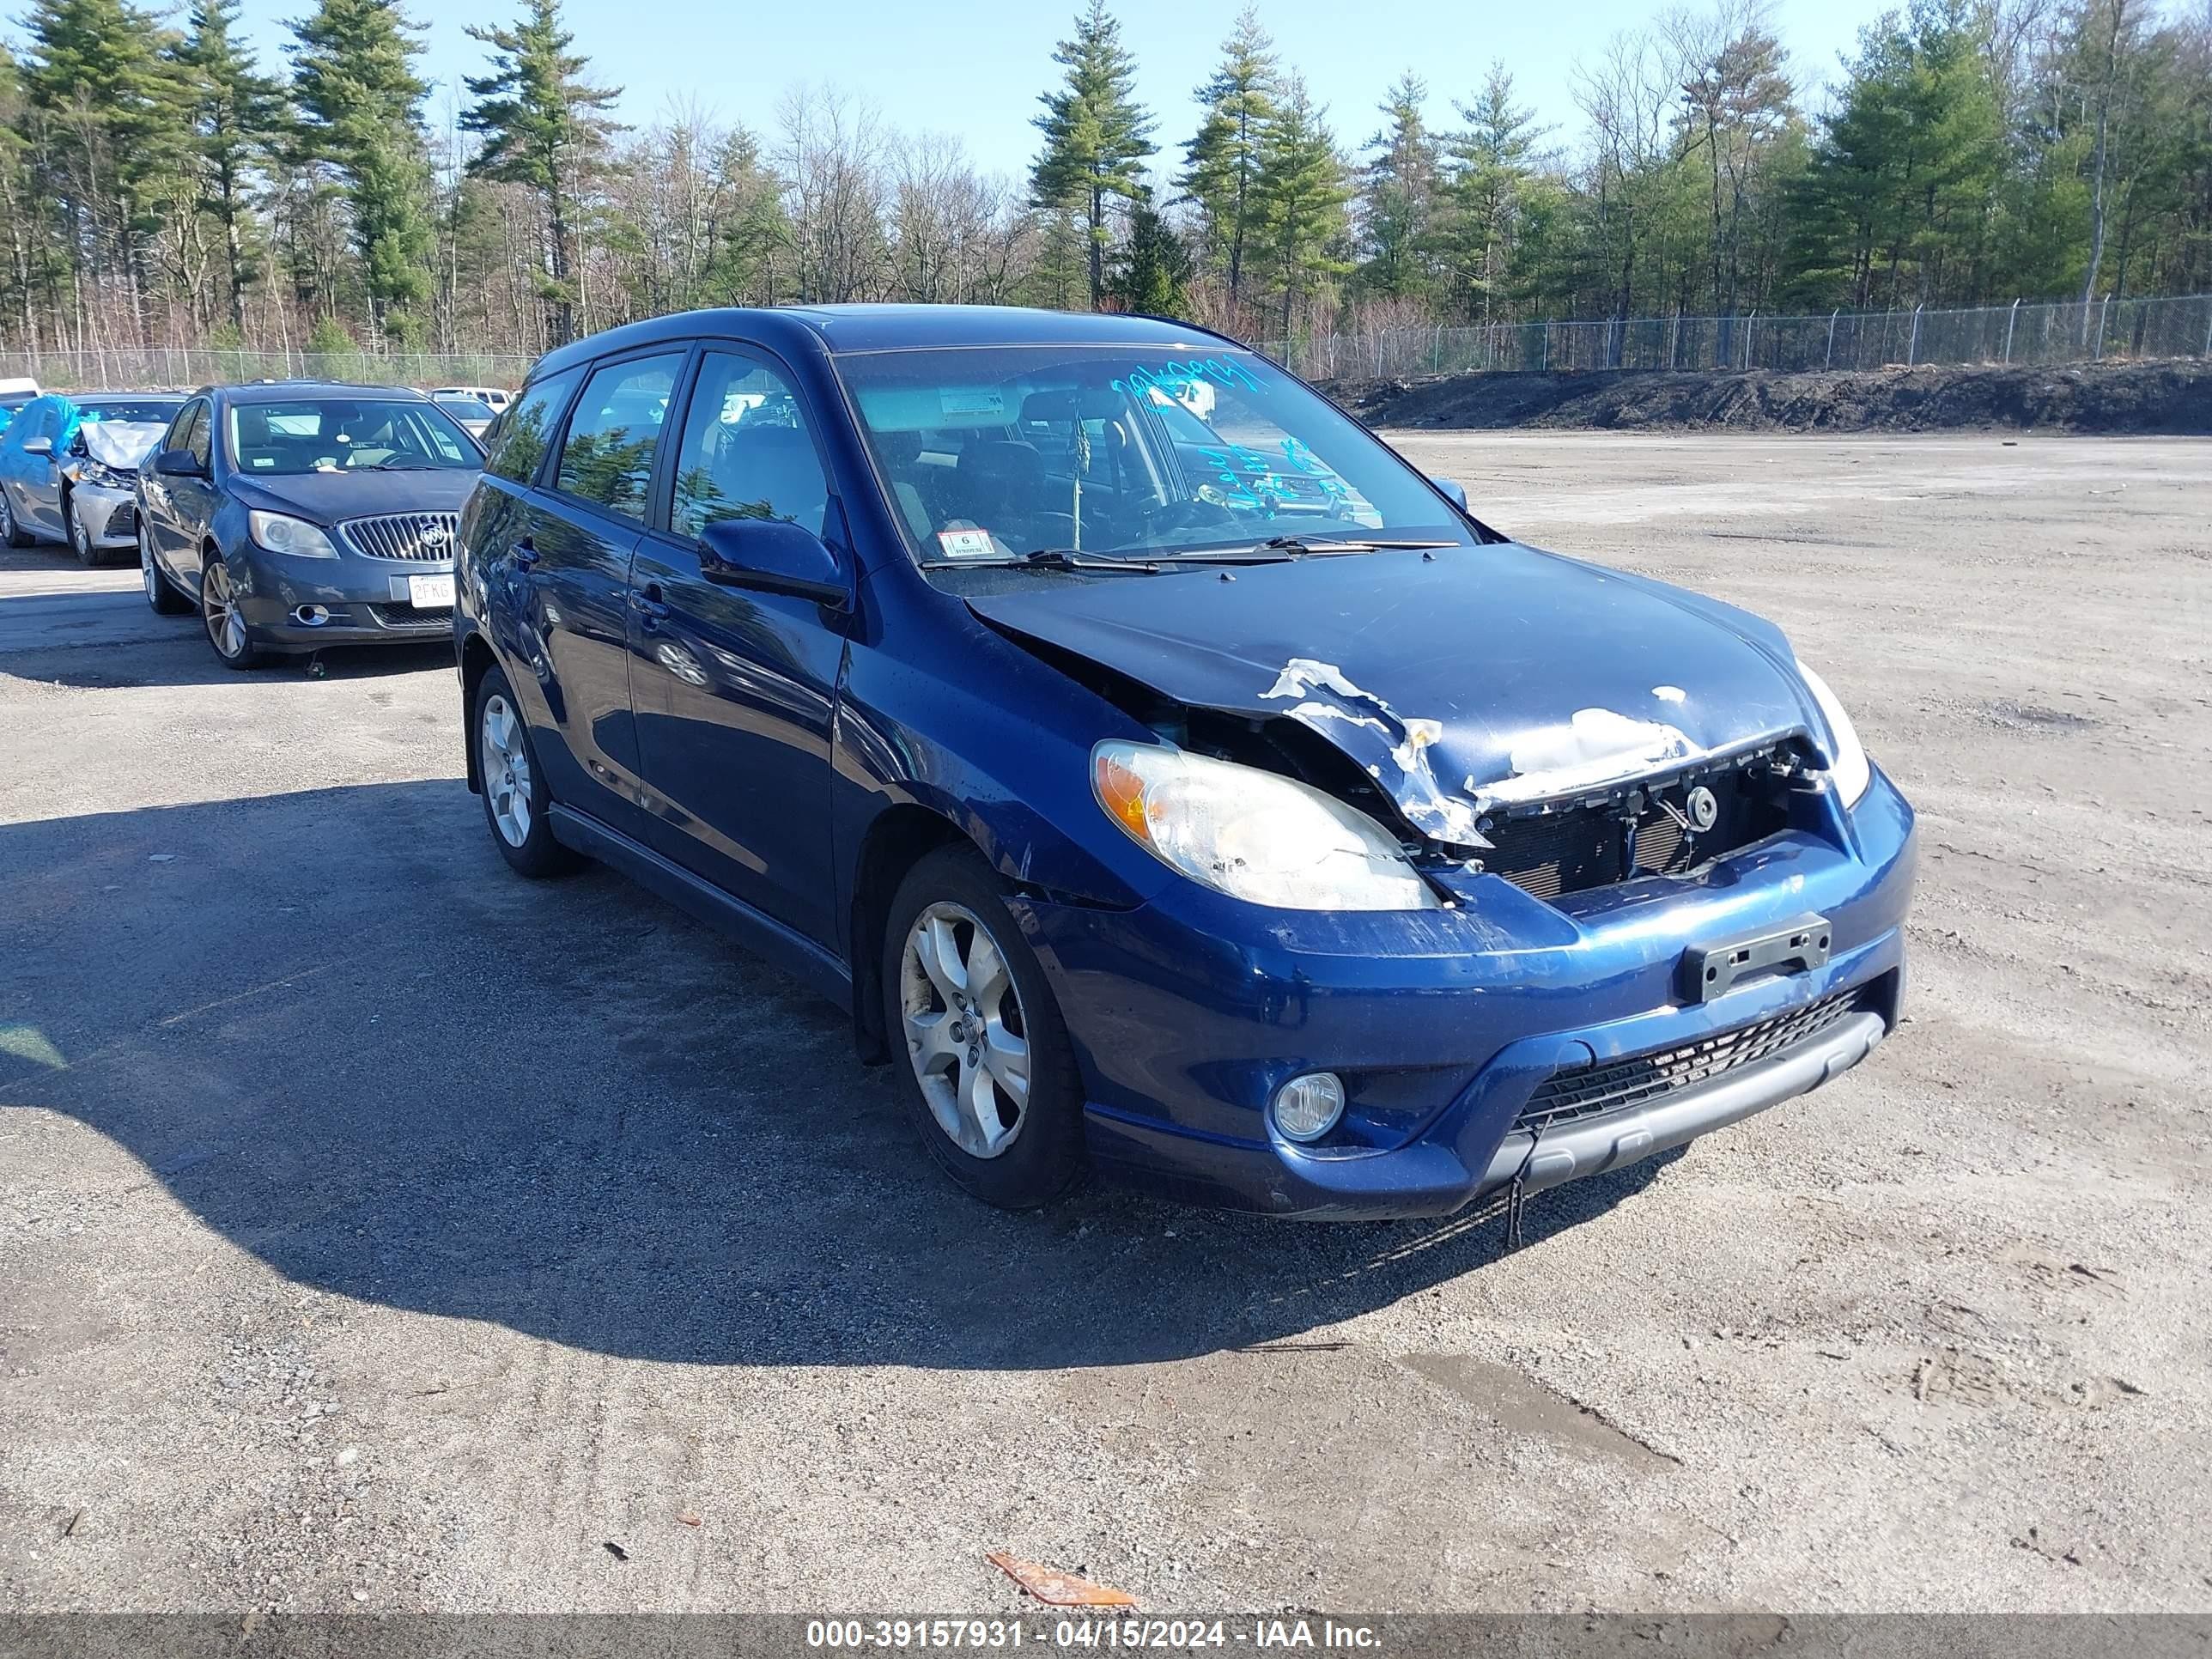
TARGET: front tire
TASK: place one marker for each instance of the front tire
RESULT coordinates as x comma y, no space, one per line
160,592
225,622
517,804
79,535
989,1076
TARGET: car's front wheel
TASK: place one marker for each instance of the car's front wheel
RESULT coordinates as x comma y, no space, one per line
990,1077
161,593
226,622
515,798
80,535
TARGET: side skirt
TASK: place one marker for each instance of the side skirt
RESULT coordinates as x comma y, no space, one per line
763,935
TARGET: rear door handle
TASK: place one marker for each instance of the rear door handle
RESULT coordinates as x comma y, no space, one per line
526,552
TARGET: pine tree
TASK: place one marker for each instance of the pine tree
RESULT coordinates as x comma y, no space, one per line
1152,277
353,79
1493,163
97,68
1221,162
1095,133
235,114
544,129
1397,192
1299,197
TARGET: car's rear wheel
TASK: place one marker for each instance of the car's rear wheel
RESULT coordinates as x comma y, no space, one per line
517,804
11,533
990,1077
161,593
227,629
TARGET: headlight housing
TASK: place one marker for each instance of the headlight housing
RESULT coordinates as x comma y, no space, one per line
279,533
1848,769
1253,834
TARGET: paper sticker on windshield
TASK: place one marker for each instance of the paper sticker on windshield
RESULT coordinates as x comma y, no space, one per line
983,400
965,544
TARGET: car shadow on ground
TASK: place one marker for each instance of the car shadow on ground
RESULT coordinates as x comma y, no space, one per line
106,641
349,1039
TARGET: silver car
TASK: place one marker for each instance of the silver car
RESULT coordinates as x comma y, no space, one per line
70,472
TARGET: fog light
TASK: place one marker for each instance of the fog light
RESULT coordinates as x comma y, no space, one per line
1307,1108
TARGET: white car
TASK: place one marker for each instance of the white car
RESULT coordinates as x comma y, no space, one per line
490,396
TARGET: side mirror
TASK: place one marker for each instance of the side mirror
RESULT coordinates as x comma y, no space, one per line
178,463
38,446
1453,492
774,556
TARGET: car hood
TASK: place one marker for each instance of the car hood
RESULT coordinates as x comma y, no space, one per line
331,497
121,445
1466,685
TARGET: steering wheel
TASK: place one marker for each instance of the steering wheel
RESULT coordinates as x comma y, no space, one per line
1192,513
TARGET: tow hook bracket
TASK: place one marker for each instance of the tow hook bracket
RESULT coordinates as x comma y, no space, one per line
1709,970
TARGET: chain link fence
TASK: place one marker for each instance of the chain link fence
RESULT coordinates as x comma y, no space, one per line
184,368
2027,335
2019,334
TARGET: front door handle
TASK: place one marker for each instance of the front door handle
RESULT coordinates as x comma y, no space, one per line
647,603
526,552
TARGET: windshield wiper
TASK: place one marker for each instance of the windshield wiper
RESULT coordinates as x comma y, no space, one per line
1050,558
396,467
1348,544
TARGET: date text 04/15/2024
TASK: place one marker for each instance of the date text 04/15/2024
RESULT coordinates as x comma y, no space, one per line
1165,1635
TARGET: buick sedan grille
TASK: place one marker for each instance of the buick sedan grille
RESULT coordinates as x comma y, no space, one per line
422,538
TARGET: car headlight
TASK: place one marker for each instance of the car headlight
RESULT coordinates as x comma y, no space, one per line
1253,834
280,533
1849,766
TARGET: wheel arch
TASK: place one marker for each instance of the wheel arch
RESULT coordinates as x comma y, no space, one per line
478,660
897,839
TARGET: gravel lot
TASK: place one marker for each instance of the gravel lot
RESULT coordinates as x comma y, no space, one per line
379,1229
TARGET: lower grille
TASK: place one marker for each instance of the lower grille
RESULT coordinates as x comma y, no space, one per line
122,523
424,538
1620,1085
408,618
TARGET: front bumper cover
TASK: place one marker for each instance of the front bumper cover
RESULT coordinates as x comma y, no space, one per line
1188,1012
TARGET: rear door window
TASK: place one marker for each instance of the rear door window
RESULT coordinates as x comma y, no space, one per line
527,431
615,432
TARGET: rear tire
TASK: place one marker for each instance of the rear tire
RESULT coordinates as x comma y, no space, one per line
517,803
160,592
11,533
986,1067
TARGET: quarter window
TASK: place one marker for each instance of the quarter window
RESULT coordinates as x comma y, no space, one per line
608,455
523,436
747,452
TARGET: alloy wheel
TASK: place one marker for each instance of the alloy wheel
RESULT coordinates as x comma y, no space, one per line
965,1033
146,569
80,538
506,765
219,609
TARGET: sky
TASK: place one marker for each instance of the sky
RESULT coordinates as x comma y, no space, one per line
974,69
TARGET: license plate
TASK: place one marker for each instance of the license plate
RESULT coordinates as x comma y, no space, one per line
428,591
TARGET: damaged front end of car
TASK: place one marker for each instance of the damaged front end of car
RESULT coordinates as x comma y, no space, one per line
1479,923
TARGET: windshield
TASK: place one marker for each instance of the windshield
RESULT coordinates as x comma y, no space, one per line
138,410
463,409
994,453
344,434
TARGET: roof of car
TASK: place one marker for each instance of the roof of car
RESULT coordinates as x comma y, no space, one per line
893,327
117,396
285,391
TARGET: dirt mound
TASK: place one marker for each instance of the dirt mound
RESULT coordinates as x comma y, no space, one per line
2169,398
